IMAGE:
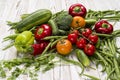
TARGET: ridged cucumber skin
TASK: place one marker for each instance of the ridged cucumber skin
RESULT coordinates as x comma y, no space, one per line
82,57
36,18
54,26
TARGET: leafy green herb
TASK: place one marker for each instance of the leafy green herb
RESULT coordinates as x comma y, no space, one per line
2,72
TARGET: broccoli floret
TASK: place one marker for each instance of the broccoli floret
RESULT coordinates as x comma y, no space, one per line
63,20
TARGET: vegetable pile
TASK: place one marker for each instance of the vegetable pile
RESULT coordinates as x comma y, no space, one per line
42,36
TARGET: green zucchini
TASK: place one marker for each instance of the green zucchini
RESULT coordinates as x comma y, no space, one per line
82,57
36,18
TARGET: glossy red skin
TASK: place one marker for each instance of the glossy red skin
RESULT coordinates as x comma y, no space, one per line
86,32
89,49
47,31
39,48
100,29
81,43
73,38
81,13
93,38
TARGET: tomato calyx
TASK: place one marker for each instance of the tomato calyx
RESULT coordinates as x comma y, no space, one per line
62,42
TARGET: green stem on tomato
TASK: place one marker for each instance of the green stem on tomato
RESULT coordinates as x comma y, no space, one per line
55,42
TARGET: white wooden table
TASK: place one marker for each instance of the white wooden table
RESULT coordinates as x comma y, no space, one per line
10,10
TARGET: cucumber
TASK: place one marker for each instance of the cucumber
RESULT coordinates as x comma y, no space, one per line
54,26
82,57
36,18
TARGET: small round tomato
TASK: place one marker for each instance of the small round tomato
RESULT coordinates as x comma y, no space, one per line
89,49
78,22
64,47
73,38
86,32
93,38
81,43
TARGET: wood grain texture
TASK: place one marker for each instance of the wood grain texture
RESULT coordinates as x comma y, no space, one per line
10,10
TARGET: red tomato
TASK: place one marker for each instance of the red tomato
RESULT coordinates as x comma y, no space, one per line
93,38
86,32
73,38
43,31
81,43
89,49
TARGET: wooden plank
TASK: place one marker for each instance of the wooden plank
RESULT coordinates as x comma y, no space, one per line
12,9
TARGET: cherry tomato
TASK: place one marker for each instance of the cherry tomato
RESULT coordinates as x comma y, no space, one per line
81,43
89,49
93,38
43,31
64,47
73,38
86,32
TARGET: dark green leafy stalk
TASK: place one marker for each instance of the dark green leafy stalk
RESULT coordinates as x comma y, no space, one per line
44,60
91,77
